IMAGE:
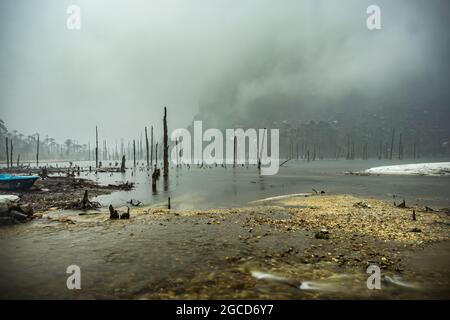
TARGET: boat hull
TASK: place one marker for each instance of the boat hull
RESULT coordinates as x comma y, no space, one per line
17,182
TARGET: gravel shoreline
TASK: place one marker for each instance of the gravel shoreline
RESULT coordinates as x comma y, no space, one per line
321,240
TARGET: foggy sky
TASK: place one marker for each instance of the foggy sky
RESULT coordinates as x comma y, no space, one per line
133,57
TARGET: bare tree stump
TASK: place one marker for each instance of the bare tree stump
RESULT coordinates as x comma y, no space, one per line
122,166
125,215
113,213
86,204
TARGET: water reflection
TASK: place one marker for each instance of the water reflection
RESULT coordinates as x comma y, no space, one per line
222,187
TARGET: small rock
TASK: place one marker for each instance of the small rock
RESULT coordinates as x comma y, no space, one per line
322,234
8,198
362,205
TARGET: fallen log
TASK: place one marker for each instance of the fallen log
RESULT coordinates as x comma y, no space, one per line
284,162
124,186
13,213
135,203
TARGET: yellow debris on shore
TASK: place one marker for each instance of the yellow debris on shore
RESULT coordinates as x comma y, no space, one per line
349,214
342,216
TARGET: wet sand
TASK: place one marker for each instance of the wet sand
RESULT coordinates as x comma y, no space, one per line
258,252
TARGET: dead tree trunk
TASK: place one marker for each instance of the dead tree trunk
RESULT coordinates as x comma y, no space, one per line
235,152
7,153
348,147
166,145
151,146
154,178
113,214
392,144
156,155
140,153
96,147
134,153
303,148
261,151
400,148
11,154
146,147
176,150
85,201
37,152
380,151
122,166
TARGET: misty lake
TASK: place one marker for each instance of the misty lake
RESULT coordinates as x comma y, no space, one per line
204,188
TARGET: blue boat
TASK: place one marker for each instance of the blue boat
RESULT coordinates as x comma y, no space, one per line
13,182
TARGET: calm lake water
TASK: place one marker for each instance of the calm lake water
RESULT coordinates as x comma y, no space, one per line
202,188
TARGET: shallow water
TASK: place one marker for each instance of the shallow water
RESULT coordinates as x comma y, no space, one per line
201,188
186,257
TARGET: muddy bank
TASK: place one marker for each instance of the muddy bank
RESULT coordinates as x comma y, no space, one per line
61,192
265,251
73,170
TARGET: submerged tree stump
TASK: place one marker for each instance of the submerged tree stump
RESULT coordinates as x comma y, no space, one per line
44,173
402,205
166,145
113,214
86,204
154,178
122,166
125,215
